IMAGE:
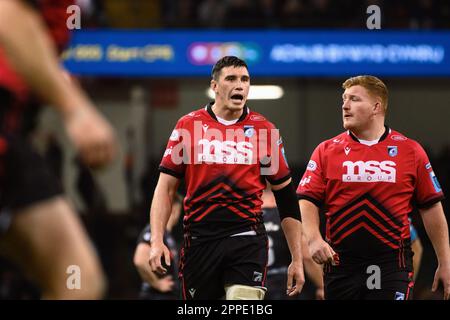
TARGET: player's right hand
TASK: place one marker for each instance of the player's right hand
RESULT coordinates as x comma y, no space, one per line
92,136
159,253
321,252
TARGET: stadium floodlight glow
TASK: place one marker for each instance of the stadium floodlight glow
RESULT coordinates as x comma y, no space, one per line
258,92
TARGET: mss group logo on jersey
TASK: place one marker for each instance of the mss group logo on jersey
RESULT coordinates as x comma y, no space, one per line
207,145
369,171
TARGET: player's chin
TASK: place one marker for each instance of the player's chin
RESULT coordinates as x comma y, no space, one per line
348,125
237,106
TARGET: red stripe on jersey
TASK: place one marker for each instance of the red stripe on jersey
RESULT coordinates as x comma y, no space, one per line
210,209
372,231
372,206
367,215
239,213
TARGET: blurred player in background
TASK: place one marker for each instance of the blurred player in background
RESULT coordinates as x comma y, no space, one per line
279,257
215,149
368,177
156,286
40,230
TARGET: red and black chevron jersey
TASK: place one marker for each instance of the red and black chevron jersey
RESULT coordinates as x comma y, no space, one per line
368,193
224,168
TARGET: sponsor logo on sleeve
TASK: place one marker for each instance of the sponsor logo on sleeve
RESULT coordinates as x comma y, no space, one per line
175,135
435,181
428,166
312,165
305,181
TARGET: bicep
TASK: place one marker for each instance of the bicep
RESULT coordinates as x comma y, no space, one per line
308,206
168,184
436,208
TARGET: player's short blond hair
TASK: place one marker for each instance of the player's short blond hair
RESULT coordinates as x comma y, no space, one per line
372,84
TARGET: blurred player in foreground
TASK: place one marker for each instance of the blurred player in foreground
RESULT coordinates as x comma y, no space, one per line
40,230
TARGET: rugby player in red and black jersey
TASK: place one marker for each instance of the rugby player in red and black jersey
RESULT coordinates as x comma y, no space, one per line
39,229
225,152
368,178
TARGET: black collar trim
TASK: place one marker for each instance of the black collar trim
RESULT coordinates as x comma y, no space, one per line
213,115
384,136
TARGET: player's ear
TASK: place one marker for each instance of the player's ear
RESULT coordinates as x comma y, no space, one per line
377,108
213,85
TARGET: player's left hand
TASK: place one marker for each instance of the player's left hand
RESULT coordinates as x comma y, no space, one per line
442,275
295,279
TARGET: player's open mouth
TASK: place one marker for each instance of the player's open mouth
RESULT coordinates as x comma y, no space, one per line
237,97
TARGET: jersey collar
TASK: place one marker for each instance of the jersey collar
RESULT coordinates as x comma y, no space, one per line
208,108
387,130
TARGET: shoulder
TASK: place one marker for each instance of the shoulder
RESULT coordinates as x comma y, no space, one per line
191,117
401,139
334,142
258,120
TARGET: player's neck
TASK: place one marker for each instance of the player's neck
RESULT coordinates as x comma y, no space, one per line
370,134
225,113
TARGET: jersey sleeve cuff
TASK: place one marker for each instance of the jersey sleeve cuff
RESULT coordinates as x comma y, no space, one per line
318,203
170,172
429,203
278,181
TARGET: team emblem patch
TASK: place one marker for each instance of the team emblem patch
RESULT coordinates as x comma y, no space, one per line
249,131
392,151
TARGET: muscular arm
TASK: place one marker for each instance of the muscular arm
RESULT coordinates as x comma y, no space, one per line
320,250
311,221
292,229
313,270
437,229
159,216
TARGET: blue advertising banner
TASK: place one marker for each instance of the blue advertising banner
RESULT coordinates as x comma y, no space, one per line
268,53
